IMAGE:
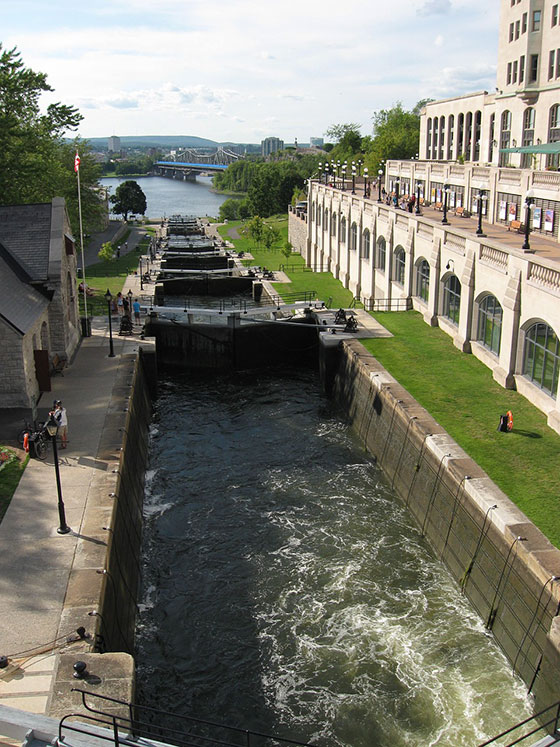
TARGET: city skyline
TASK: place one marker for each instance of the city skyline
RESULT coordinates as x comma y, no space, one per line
239,72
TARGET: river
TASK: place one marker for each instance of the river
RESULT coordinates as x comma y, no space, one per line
287,590
166,197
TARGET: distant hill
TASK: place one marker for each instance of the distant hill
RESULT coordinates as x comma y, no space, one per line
164,142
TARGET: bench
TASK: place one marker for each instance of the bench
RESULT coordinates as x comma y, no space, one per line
516,225
462,212
58,364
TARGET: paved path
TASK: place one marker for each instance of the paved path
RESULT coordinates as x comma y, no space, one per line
36,561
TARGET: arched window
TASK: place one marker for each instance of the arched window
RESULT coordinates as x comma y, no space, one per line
326,220
354,237
423,280
441,138
400,262
490,323
343,230
553,160
460,133
541,357
429,138
528,135
491,142
333,224
452,299
319,211
468,136
435,138
477,133
365,244
450,136
505,136
381,252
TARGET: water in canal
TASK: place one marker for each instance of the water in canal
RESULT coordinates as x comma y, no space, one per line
287,590
166,197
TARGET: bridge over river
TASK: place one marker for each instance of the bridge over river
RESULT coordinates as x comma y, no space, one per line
185,170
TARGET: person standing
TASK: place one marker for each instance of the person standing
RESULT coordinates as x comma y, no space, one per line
120,303
136,309
62,419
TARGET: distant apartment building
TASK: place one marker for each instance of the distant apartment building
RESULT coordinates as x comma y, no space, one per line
271,145
518,124
316,142
114,145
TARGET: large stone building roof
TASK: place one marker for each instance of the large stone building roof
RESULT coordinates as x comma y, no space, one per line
25,232
20,303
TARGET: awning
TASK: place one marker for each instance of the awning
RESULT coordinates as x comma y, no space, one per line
543,148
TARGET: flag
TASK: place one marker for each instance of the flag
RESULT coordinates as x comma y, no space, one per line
77,163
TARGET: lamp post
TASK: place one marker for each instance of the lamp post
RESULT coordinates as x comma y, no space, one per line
365,180
353,178
379,175
529,198
141,274
338,168
326,174
360,162
397,186
343,169
109,298
52,429
418,187
481,198
445,196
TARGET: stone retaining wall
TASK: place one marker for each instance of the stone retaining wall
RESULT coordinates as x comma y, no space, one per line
501,561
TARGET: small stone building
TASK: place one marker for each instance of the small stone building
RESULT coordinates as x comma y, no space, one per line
39,323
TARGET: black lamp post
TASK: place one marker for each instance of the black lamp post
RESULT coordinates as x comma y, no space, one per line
338,168
353,178
480,197
52,429
445,196
360,166
365,180
418,187
528,202
343,176
397,186
141,274
109,298
379,175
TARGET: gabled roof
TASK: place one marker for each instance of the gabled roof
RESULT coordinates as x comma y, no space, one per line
25,231
20,303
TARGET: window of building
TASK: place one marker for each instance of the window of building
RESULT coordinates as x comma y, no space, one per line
423,280
381,253
522,68
528,135
536,21
429,138
514,72
490,324
333,224
541,357
343,230
365,244
354,237
517,24
551,56
400,263
319,213
505,136
554,19
553,159
534,68
491,142
557,64
450,134
509,67
326,220
524,23
511,27
452,299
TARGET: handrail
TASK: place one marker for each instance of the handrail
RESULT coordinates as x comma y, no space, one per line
138,728
303,268
551,722
388,304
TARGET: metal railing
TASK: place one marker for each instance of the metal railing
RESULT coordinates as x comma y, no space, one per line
543,726
303,268
387,304
137,721
287,298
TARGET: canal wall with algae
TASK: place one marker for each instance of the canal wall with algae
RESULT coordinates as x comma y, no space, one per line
502,563
103,585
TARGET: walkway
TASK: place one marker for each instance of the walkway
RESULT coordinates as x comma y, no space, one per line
36,561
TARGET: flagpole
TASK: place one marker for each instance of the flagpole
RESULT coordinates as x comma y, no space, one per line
77,169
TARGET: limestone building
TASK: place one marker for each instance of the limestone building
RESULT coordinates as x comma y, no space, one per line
519,123
38,300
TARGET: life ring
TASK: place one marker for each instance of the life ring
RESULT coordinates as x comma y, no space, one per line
509,420
26,442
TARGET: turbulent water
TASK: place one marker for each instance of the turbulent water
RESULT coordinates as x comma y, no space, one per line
287,590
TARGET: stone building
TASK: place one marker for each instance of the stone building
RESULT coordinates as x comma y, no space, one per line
39,321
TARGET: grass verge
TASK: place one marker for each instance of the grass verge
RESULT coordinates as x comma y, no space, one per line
10,476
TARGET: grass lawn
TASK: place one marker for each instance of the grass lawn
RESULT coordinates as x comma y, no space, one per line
10,476
111,275
459,392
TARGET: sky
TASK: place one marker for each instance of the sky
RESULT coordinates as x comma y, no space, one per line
242,70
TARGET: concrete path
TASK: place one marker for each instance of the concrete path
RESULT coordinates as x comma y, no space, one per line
36,561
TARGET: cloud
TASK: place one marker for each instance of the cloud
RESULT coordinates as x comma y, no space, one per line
126,102
438,41
434,7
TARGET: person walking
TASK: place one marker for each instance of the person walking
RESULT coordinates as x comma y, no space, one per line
136,309
61,418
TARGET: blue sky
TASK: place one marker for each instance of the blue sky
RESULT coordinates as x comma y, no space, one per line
243,70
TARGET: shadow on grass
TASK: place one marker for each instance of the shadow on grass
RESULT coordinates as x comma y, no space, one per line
527,434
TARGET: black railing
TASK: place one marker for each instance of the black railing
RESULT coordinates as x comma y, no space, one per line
549,726
303,268
128,722
288,298
388,304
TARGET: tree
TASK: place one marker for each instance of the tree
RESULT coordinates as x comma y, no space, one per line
107,252
270,237
128,198
396,134
255,229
